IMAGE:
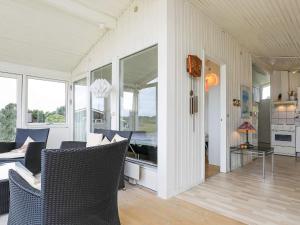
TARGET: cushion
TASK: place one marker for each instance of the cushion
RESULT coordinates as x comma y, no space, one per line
34,181
94,139
117,138
105,141
24,147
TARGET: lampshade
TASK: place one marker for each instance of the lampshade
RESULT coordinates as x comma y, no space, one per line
101,88
246,126
211,79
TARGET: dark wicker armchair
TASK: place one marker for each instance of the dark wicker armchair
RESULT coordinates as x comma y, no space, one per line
32,159
110,134
79,187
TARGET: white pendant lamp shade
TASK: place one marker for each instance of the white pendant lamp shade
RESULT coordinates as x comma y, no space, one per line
101,88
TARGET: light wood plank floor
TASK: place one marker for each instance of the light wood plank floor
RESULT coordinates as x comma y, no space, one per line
141,207
244,195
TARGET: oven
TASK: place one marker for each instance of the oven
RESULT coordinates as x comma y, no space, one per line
284,139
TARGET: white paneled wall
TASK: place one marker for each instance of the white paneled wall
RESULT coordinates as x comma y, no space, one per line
194,32
179,28
135,31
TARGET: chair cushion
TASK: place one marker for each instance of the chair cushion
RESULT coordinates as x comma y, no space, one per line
118,138
94,139
24,147
105,141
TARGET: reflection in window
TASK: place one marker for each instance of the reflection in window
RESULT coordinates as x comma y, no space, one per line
80,106
46,101
100,107
138,103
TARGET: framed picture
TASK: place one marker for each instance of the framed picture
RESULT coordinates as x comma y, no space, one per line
245,102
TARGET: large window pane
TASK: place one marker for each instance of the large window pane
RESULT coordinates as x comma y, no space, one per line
100,107
80,106
8,108
46,101
138,103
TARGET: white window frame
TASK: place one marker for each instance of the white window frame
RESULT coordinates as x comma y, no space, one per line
25,94
86,76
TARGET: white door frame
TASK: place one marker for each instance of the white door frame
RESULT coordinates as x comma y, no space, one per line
223,114
19,92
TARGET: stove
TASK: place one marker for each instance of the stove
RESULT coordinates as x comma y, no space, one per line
284,139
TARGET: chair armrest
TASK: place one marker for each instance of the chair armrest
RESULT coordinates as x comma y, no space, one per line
33,156
7,146
72,144
25,201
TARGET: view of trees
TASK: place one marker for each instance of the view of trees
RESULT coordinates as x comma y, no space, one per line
39,116
8,117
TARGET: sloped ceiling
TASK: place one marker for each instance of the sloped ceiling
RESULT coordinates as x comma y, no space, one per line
36,33
268,28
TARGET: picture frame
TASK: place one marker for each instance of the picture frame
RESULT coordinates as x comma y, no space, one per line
245,102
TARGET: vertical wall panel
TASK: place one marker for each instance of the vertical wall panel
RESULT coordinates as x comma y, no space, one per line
194,32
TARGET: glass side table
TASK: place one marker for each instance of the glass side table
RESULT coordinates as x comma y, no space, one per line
258,151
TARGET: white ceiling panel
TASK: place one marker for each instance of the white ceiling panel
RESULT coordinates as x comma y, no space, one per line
267,28
37,34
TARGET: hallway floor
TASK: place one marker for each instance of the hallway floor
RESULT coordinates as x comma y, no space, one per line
245,196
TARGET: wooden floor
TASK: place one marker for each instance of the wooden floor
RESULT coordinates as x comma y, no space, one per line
211,170
141,207
244,195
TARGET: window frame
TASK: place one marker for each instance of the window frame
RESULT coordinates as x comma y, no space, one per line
66,123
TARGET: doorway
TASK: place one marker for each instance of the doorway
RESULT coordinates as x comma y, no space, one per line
262,105
212,113
221,117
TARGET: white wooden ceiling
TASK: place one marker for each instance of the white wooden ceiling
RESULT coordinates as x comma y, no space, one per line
268,28
44,33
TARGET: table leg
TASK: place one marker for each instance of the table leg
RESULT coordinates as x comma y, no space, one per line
272,162
264,158
230,162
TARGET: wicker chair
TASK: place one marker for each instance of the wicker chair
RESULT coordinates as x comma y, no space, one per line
32,159
110,134
79,187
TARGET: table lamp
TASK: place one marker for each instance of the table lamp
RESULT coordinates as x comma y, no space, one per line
247,128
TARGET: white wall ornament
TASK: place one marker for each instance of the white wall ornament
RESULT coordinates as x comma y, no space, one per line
100,88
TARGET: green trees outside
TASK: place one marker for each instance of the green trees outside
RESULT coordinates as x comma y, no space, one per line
57,116
8,117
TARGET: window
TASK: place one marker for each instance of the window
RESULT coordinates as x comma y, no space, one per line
80,106
8,106
266,92
100,107
138,103
46,101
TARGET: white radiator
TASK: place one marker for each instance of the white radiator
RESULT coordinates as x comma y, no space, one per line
132,170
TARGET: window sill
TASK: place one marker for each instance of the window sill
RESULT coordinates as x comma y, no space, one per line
45,125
